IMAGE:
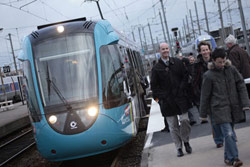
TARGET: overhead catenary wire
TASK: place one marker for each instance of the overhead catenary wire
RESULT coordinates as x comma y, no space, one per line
28,12
58,12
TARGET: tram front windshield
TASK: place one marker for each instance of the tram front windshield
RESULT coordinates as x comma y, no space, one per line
66,69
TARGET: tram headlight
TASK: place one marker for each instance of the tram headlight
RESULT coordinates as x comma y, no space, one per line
92,111
60,29
52,119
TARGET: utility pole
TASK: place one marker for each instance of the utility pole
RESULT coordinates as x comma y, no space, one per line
205,11
221,21
145,45
189,34
184,36
180,38
165,20
192,22
230,17
14,59
171,39
151,38
12,50
133,35
139,30
163,28
244,26
185,30
158,43
197,16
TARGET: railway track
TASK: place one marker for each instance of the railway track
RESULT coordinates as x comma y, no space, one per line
16,146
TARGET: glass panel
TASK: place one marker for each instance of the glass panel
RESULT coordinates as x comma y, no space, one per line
30,92
66,69
112,77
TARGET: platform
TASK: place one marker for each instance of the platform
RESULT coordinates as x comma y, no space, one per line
13,118
159,150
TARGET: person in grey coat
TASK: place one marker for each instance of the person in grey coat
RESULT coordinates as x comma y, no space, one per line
224,97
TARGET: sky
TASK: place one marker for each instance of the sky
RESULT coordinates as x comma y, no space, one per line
21,17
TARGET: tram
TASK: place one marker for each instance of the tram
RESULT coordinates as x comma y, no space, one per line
82,91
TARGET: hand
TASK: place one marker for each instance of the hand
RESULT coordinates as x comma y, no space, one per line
203,120
246,108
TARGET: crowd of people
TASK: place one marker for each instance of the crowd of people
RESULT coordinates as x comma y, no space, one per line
212,82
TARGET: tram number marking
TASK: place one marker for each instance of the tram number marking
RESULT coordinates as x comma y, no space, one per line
73,125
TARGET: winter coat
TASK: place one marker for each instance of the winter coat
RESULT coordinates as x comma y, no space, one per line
240,60
168,84
199,68
223,94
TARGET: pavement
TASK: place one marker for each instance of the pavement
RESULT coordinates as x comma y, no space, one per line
159,150
13,118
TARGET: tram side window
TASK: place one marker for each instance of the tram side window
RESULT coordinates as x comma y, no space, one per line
131,72
30,93
112,77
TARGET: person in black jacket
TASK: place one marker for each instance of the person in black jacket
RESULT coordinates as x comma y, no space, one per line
200,67
168,83
189,68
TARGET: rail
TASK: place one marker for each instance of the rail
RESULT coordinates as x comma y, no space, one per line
16,146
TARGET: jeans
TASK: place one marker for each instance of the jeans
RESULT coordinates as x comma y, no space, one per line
217,133
230,148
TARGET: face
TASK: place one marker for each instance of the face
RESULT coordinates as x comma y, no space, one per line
205,52
191,59
164,50
219,62
179,56
229,45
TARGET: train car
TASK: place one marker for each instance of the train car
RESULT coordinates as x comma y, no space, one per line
81,87
192,46
12,91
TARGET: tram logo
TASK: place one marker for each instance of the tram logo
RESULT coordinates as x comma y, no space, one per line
73,125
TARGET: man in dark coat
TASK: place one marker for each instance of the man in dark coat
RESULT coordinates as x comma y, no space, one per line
223,97
168,83
239,58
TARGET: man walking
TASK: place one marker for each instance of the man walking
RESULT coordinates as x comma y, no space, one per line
223,97
239,58
169,83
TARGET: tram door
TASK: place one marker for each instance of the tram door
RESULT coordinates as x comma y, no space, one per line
136,92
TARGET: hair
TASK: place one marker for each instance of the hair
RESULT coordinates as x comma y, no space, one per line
230,39
203,43
219,53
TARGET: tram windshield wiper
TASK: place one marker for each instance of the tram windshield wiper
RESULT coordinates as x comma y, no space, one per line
58,92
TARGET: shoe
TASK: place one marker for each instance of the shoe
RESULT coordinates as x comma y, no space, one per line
179,152
228,163
165,130
192,123
237,162
219,145
204,121
188,147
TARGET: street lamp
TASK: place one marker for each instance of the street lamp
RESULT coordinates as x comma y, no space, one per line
97,2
